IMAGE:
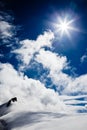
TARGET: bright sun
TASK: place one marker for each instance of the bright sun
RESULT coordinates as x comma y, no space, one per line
64,26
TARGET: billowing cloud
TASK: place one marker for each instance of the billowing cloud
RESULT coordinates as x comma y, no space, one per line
52,60
65,83
54,63
31,94
29,47
77,85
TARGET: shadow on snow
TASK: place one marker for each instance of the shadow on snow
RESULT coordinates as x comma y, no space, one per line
30,118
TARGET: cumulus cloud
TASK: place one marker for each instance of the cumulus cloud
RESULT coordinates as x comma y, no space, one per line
77,85
65,84
52,60
29,47
32,94
54,63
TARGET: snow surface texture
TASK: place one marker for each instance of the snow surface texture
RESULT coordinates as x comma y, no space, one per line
46,121
30,120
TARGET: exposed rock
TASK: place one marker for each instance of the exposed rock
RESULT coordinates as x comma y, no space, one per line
3,125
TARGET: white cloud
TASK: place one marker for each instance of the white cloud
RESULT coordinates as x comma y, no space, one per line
6,30
52,60
78,85
83,58
31,94
1,55
30,47
56,64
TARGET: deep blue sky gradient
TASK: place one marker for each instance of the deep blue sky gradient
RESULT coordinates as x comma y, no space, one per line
33,17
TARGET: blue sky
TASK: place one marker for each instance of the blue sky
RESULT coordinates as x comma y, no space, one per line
31,46
33,18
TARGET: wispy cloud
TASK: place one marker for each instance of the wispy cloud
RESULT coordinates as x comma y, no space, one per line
7,29
83,58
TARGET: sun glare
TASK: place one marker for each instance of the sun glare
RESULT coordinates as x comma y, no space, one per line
64,26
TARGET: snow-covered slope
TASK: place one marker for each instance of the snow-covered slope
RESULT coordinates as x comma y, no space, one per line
46,121
76,122
17,117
